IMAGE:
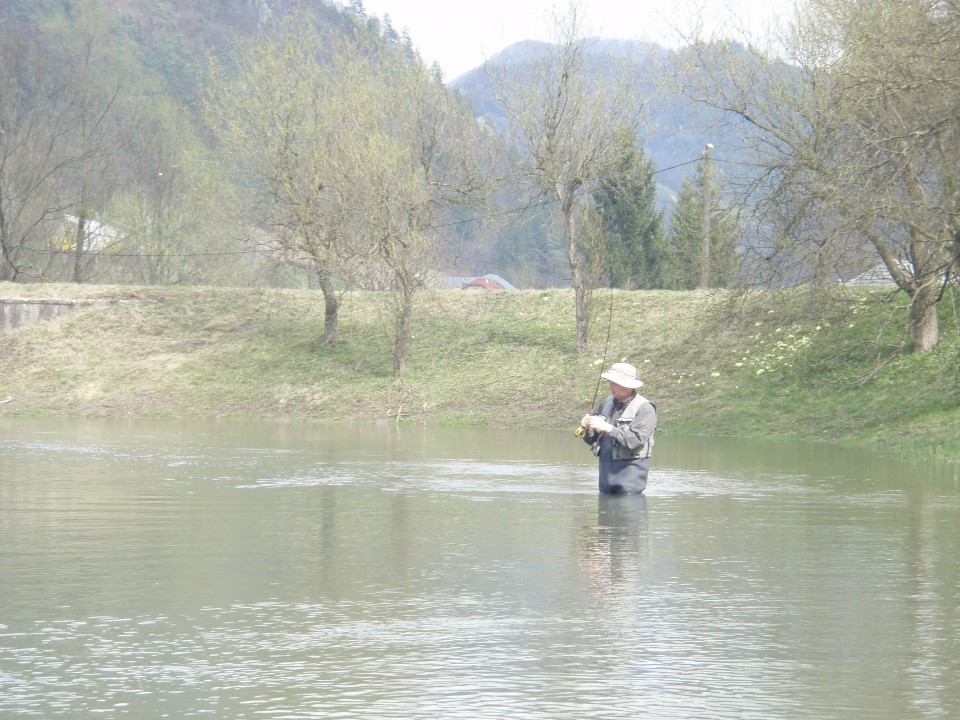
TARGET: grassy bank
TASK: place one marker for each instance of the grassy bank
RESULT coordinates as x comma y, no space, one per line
788,364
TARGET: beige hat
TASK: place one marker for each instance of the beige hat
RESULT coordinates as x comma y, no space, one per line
623,374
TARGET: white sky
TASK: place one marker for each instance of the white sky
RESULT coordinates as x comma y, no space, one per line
462,34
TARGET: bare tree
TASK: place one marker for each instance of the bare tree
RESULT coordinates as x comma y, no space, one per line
172,219
567,118
856,143
40,121
99,78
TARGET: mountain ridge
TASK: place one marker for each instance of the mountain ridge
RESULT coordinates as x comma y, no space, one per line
672,133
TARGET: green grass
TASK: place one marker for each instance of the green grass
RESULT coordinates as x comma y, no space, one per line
834,367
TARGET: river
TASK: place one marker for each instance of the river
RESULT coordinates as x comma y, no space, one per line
239,570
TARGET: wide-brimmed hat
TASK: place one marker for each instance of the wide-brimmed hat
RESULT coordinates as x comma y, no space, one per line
623,374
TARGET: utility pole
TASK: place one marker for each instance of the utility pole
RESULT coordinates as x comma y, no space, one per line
705,242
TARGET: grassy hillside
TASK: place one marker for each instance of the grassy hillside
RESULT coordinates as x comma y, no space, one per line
768,364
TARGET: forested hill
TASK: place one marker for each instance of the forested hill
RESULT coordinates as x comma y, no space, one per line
118,88
673,132
172,41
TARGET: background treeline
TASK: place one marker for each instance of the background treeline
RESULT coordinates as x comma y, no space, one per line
111,171
273,143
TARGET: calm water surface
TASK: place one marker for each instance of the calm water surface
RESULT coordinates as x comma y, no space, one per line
179,570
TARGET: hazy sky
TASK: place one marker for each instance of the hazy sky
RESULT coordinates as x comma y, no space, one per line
462,34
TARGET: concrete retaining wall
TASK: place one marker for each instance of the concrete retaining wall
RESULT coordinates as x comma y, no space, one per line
18,311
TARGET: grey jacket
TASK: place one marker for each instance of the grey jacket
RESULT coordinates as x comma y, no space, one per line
634,426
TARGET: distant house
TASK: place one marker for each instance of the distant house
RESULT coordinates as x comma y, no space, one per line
483,282
877,275
98,236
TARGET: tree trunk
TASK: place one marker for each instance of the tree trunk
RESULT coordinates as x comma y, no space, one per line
6,267
923,319
6,264
80,245
331,306
577,277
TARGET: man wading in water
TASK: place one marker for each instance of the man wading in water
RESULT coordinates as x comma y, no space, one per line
620,432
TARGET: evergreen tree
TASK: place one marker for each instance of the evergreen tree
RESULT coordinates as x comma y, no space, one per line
679,266
630,220
389,32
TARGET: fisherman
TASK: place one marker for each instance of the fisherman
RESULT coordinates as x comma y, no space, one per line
620,432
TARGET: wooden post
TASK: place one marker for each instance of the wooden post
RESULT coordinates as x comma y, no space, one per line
705,242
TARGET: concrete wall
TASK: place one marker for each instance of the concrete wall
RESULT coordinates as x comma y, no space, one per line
15,312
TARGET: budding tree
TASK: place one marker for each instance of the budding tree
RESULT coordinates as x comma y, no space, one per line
288,116
418,159
352,150
568,119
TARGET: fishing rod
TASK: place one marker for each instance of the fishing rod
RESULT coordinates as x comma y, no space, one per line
581,432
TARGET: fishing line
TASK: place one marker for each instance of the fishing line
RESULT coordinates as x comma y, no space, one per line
580,432
606,343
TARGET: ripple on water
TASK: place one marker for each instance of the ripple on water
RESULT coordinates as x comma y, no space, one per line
184,582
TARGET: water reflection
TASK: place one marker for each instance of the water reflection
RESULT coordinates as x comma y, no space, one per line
615,550
229,570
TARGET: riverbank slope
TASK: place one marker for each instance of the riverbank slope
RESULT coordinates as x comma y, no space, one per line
767,364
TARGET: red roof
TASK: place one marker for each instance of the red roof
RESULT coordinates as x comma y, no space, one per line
483,283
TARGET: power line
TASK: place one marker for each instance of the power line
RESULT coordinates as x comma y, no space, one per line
258,251
92,254
542,203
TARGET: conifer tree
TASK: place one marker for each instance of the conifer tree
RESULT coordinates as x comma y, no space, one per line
679,264
630,220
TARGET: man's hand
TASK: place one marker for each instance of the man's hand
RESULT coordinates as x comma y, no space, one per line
599,424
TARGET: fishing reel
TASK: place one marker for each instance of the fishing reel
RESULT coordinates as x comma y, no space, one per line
582,431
